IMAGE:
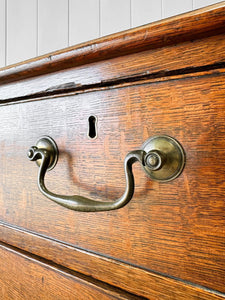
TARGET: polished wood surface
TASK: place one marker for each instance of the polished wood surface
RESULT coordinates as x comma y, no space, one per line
130,278
193,25
23,277
204,54
169,240
176,218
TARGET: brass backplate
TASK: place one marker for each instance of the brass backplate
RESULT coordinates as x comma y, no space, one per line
172,151
47,143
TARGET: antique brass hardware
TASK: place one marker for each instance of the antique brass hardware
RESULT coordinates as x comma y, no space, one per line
47,144
162,158
168,157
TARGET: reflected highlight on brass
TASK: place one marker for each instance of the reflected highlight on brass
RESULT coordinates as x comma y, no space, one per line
162,158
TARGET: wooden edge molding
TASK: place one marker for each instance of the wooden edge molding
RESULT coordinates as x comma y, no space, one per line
193,25
49,281
118,274
184,58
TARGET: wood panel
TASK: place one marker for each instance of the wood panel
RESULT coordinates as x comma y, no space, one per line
182,219
175,7
2,33
22,19
168,242
24,277
133,279
132,68
114,16
84,23
202,3
83,19
193,25
145,11
53,31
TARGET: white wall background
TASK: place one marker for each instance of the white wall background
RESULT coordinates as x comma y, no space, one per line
30,28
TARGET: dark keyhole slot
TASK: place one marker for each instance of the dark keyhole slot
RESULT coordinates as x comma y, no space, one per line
92,133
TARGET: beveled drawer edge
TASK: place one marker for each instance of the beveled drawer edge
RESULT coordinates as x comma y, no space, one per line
45,276
199,23
119,274
212,70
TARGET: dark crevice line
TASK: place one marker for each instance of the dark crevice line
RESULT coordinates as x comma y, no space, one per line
72,87
66,271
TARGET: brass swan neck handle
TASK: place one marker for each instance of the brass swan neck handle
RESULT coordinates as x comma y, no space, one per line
154,161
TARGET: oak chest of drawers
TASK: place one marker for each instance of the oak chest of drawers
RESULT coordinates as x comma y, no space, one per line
100,101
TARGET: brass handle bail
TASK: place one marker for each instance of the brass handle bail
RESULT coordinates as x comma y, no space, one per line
161,157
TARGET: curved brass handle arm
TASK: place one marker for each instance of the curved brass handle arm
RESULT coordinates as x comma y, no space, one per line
153,161
80,203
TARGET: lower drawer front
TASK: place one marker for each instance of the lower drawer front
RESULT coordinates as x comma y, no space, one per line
23,277
174,228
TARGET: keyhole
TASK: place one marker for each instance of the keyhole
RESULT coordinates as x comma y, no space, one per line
92,132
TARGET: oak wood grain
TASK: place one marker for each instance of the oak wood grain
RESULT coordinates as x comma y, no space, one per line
24,277
196,24
163,78
165,225
207,53
131,278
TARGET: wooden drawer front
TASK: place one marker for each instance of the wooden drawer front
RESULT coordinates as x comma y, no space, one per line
174,228
23,277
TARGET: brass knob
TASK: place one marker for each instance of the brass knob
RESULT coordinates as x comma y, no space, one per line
165,158
154,160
